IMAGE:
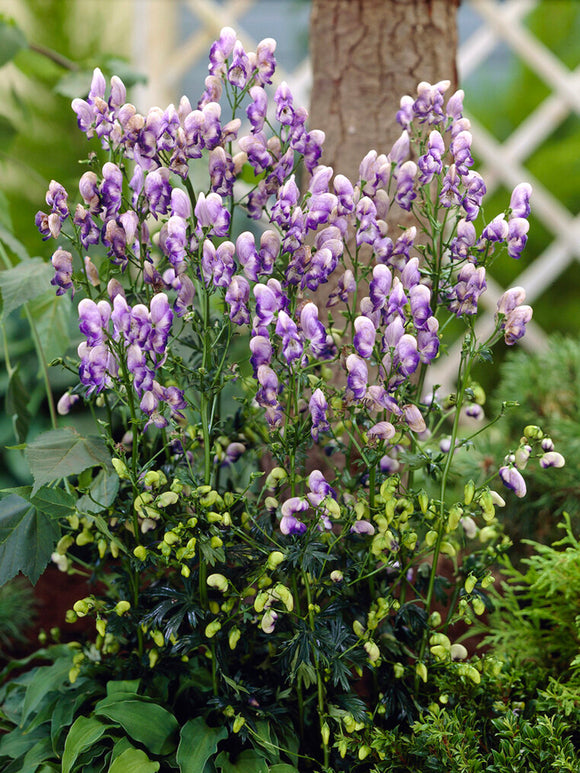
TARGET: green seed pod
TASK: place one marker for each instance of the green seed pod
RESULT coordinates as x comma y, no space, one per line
470,583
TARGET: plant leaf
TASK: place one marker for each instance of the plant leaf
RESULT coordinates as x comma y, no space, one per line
283,767
101,493
12,39
17,405
146,722
54,502
51,315
84,733
24,282
133,761
197,744
27,539
248,761
14,245
62,452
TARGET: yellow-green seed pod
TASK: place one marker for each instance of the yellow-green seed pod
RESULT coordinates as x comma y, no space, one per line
478,605
158,638
458,652
153,657
101,626
171,538
439,652
487,533
239,722
226,519
423,500
71,616
122,607
421,671
470,672
214,607
448,549
140,552
121,469
325,733
431,538
275,477
82,607
468,492
214,517
454,517
234,638
440,639
84,538
166,499
212,628
349,723
410,540
102,548
64,544
209,499
358,628
217,581
435,619
343,747
488,580
185,571
284,594
470,583
216,542
275,559
364,752
372,650
399,670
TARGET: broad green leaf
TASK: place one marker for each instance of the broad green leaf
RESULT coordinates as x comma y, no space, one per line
283,767
101,494
23,283
133,761
51,315
5,219
62,452
40,752
12,39
17,406
197,744
123,685
7,131
46,680
27,539
148,723
248,761
54,502
14,245
84,733
18,742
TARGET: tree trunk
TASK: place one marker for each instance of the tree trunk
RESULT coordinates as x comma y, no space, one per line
366,54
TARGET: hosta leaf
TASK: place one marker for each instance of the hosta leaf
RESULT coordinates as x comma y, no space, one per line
24,282
197,744
147,723
248,761
133,761
62,452
84,733
27,539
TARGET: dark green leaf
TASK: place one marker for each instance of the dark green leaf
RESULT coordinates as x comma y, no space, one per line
12,39
27,539
18,742
9,240
54,502
84,733
283,768
51,315
101,494
148,723
46,680
133,761
248,761
7,130
130,686
197,744
62,452
23,283
17,405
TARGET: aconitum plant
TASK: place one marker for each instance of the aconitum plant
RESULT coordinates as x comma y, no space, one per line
273,523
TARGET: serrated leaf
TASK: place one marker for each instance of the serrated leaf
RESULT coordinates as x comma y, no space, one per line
12,39
54,502
146,722
27,539
62,452
101,494
23,283
133,761
197,744
17,399
51,315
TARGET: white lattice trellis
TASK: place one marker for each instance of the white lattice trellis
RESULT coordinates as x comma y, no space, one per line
166,62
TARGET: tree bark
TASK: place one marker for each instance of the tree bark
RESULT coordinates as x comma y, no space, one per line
366,54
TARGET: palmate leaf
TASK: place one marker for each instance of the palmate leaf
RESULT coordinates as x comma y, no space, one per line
23,283
62,452
27,539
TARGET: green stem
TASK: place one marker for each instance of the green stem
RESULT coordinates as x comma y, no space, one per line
319,682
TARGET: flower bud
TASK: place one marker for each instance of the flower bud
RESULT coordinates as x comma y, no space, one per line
140,552
458,652
325,733
435,619
212,628
275,477
239,722
121,607
336,575
421,671
533,432
234,638
468,492
217,581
